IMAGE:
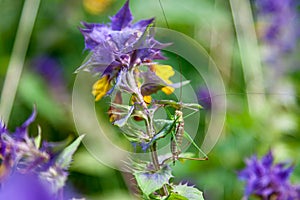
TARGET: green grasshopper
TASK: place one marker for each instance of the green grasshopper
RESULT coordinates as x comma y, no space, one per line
176,128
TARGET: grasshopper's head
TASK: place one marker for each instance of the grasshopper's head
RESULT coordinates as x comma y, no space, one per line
179,115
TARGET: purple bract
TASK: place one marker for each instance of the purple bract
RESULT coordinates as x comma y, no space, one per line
119,45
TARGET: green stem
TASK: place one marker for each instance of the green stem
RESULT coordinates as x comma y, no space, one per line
249,53
15,66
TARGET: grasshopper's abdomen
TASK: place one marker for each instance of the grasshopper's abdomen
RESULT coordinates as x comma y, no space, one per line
177,141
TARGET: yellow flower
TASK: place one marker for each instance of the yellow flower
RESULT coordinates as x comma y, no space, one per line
101,87
147,99
96,6
164,72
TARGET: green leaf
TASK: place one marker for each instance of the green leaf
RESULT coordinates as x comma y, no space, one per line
152,181
189,192
65,157
175,196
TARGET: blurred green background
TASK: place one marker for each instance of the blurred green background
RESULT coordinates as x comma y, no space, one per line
56,50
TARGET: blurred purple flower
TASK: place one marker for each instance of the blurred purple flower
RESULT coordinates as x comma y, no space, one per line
268,180
7,153
25,187
51,71
279,21
279,29
204,97
19,151
21,154
49,68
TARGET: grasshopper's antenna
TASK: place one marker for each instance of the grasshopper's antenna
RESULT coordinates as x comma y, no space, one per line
180,71
163,11
177,57
179,129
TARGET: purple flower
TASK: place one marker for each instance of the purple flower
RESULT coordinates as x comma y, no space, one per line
22,158
49,68
268,180
51,71
269,6
118,47
21,133
7,153
25,187
278,26
204,98
279,18
19,151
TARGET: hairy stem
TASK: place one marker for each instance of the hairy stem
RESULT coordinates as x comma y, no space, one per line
154,156
156,164
150,130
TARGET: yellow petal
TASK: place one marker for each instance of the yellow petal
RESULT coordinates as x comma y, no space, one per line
164,72
101,87
112,117
167,90
147,99
133,99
